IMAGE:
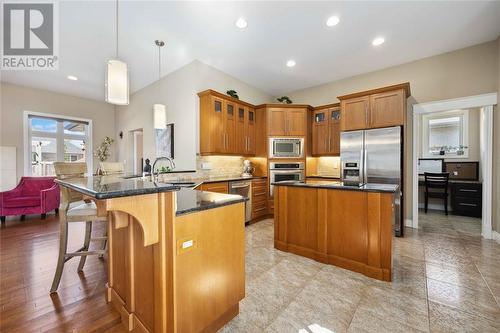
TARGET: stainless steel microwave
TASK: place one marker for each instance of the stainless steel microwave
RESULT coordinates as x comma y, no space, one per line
286,147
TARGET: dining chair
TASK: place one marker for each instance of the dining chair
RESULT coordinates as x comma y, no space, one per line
436,186
75,208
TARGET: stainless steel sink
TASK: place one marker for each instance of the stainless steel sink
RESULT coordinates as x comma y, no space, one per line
182,184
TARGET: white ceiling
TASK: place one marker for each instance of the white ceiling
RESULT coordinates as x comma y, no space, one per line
276,32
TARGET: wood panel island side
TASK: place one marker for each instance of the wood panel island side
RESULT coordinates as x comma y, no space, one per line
349,227
176,256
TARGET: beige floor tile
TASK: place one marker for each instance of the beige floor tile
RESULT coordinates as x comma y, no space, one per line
393,305
462,276
369,322
474,302
446,319
298,316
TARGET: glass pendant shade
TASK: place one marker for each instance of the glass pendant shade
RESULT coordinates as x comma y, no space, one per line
160,116
117,91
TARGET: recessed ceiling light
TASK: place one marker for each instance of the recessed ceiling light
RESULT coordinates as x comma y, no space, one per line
332,21
241,23
72,77
378,41
290,63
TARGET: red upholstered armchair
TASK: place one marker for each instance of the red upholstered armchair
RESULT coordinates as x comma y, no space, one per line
33,195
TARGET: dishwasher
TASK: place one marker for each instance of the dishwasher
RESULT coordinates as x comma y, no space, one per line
243,188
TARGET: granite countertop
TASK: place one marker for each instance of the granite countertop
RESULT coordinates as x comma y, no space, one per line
114,186
224,179
322,176
189,200
371,187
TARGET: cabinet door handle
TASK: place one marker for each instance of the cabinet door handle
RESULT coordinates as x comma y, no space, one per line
466,190
467,204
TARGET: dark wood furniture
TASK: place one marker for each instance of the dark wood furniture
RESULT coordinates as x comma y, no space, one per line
462,170
466,198
436,186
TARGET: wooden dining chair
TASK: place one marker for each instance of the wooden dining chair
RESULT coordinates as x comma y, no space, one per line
436,186
75,208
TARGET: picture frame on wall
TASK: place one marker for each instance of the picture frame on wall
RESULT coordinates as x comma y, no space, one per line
164,141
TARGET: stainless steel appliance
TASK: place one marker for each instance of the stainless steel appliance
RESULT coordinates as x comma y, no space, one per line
374,156
243,188
286,147
285,171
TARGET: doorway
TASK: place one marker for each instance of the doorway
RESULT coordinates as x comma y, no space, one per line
451,116
137,152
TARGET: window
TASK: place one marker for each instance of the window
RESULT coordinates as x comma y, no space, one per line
445,134
51,139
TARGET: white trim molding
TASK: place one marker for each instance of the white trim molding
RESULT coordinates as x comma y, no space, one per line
484,101
496,236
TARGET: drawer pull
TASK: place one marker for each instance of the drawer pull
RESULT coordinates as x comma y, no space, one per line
465,190
467,204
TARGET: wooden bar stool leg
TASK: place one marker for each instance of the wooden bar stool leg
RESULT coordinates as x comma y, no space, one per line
104,242
63,246
86,243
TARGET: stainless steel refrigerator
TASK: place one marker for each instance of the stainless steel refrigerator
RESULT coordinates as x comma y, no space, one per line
374,156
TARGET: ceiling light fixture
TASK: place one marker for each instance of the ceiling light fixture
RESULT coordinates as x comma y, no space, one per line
72,77
117,84
378,41
332,21
290,63
241,23
159,110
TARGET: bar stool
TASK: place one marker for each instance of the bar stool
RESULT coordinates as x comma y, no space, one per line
74,208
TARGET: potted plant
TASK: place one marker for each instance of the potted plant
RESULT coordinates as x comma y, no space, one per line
103,151
233,94
284,100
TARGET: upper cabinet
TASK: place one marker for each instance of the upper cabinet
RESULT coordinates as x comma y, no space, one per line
227,126
382,107
326,130
289,121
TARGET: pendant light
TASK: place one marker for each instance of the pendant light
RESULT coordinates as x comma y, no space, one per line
117,85
159,110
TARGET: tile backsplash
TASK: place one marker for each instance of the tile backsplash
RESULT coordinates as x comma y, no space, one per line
211,166
329,166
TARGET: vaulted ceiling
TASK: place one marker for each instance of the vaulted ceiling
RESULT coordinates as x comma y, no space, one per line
276,32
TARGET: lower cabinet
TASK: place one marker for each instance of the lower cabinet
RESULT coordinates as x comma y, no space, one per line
466,199
219,187
259,198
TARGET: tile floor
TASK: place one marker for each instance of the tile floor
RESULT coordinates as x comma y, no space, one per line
446,278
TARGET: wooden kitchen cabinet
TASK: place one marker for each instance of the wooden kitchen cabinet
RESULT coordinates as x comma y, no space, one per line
381,107
259,198
355,113
219,187
287,122
326,131
227,126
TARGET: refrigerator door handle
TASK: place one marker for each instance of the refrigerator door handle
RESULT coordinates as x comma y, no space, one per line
361,166
365,167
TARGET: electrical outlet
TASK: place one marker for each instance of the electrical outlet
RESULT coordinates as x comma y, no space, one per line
206,166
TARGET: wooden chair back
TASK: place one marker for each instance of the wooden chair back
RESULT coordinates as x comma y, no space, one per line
438,181
66,170
111,168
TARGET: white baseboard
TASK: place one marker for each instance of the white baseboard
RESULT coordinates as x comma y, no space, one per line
495,235
409,223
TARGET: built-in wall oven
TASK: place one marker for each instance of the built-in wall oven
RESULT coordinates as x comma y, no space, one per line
286,147
285,171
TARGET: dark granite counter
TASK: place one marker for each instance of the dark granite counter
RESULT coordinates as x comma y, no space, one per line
114,186
323,177
106,187
340,186
189,201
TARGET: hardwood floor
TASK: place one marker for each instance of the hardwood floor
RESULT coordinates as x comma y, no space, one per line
28,254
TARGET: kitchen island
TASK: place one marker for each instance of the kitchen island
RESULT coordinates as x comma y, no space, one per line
346,226
176,256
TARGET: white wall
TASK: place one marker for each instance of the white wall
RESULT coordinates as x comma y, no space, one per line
17,99
178,91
